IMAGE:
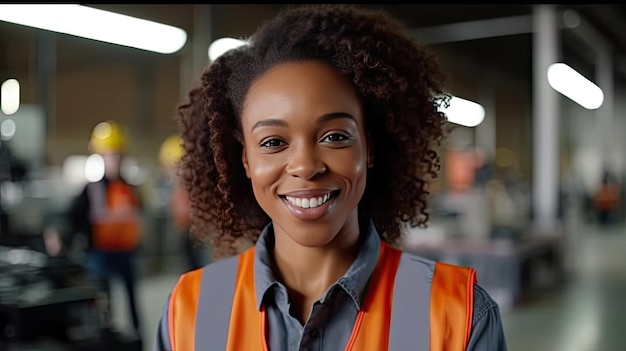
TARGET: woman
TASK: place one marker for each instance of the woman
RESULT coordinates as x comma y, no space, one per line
316,142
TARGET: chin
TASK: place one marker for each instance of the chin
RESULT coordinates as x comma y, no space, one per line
313,241
311,235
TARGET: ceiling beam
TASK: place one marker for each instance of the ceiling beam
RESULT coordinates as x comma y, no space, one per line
513,25
473,30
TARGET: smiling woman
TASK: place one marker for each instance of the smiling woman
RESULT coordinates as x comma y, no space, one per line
316,141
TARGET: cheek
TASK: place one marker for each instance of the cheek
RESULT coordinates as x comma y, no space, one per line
263,170
352,165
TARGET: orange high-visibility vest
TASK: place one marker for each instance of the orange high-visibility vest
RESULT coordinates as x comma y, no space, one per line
114,216
377,325
607,197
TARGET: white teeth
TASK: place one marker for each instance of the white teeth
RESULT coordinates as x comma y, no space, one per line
308,202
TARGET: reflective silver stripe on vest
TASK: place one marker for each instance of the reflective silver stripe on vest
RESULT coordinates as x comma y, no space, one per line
410,315
98,207
214,304
97,201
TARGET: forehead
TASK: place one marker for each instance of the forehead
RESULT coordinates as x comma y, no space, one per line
306,83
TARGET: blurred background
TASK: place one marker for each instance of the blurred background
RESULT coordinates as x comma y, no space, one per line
530,192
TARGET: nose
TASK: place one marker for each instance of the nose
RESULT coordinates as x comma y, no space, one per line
304,162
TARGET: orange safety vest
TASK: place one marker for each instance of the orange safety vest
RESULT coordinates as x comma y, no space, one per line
114,216
607,197
451,309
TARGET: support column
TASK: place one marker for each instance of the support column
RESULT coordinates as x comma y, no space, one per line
486,131
609,153
606,113
46,77
545,185
145,116
197,57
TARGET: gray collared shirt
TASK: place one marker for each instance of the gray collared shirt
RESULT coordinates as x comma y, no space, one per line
333,315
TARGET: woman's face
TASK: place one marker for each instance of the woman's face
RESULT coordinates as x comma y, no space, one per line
305,152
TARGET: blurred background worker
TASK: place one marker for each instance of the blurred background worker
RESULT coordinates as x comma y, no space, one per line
107,214
170,153
606,198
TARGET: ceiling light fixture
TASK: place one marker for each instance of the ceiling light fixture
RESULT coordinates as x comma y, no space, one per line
96,24
572,84
10,96
464,112
220,46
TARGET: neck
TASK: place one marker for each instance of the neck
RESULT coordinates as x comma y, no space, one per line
312,271
308,272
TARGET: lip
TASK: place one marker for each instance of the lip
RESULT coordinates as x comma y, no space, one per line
310,213
309,193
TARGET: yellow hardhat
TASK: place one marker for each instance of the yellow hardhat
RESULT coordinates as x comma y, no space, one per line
107,137
171,151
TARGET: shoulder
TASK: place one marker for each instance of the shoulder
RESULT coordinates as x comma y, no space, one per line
220,264
188,284
214,271
483,303
203,287
419,263
487,332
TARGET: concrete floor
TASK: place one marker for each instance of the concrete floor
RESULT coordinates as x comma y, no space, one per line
588,313
585,314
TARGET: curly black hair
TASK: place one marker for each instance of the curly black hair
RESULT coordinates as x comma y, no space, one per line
401,85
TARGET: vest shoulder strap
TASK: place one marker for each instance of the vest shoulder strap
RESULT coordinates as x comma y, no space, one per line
182,311
209,289
411,305
451,307
436,289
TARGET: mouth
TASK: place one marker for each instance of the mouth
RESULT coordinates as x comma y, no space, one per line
310,207
310,201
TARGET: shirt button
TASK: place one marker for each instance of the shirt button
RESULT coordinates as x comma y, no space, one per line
314,333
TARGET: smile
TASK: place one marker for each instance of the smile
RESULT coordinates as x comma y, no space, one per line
308,202
309,207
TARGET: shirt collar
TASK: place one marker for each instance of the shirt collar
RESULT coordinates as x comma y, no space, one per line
353,281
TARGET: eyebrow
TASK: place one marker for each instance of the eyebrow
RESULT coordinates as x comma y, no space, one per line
322,119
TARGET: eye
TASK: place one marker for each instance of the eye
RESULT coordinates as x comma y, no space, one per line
272,143
335,137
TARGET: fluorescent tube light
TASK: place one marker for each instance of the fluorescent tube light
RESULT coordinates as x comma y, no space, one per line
572,84
464,112
220,46
10,96
92,23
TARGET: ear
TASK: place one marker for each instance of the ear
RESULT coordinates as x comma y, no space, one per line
370,151
244,161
